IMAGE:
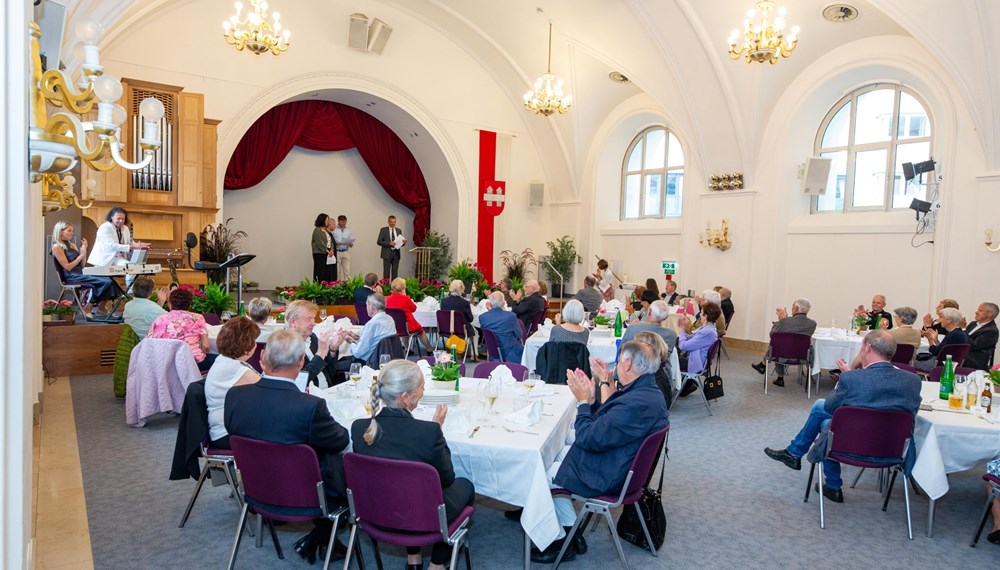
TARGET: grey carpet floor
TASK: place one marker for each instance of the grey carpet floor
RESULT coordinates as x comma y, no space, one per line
727,504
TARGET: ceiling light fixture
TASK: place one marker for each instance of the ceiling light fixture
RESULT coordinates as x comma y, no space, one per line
547,97
254,32
763,40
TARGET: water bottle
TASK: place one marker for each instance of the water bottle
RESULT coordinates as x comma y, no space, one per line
618,325
947,379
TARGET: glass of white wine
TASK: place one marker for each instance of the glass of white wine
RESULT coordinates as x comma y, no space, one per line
492,393
355,375
383,360
530,380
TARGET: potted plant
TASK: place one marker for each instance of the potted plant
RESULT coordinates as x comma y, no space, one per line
562,257
516,264
445,369
467,272
439,259
213,299
53,310
217,244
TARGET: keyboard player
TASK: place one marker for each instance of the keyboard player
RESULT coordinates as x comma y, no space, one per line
113,243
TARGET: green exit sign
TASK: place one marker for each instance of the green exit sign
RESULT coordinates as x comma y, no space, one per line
669,267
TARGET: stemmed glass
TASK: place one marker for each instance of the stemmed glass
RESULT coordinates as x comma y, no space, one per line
492,393
355,375
530,380
383,360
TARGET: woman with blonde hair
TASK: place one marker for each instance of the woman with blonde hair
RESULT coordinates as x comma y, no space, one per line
398,299
393,433
72,259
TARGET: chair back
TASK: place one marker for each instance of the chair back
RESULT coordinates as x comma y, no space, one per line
937,371
904,353
790,346
870,432
524,330
430,360
394,494
535,321
484,369
389,345
451,323
958,353
254,360
642,465
713,353
555,358
59,270
212,319
492,345
192,427
398,317
159,372
361,309
907,368
278,475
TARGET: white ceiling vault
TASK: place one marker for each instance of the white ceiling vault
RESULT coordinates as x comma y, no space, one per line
674,51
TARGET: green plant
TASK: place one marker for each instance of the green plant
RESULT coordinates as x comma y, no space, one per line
53,307
465,271
314,291
994,376
516,264
516,284
217,244
562,257
215,301
601,320
444,369
440,259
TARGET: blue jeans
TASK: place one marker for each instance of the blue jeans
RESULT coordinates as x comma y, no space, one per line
817,420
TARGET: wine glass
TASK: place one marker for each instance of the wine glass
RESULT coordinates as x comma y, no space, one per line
530,380
383,360
492,392
355,374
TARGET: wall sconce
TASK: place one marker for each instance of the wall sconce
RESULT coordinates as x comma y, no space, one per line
989,241
732,181
718,239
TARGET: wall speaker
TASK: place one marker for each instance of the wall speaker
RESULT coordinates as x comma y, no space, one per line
816,175
536,194
378,35
357,38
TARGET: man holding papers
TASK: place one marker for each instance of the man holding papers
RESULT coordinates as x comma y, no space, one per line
391,240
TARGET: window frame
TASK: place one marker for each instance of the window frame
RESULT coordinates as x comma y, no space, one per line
644,173
852,149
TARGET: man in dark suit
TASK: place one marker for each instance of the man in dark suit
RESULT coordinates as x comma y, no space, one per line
878,317
728,309
670,292
321,350
608,435
504,325
361,295
589,296
878,384
983,336
388,238
798,323
275,410
528,304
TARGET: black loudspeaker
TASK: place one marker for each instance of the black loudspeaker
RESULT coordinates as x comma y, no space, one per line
908,173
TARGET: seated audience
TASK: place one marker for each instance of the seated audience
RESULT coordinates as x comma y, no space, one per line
72,260
728,309
259,311
398,299
237,342
935,324
645,300
709,296
273,409
697,344
320,350
983,335
670,294
393,433
798,323
635,306
528,304
379,327
662,376
181,324
455,302
503,324
651,285
878,384
589,296
361,293
567,327
608,436
903,333
140,312
951,320
877,317
507,287
654,323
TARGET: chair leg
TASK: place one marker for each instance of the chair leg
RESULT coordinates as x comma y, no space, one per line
274,538
906,498
260,530
614,537
701,390
982,521
858,477
194,495
350,546
888,492
645,530
238,538
822,484
767,372
329,544
378,554
809,482
468,554
569,537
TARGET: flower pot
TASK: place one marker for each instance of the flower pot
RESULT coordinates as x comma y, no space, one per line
69,319
47,318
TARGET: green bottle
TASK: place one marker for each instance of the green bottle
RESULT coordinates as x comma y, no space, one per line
947,379
242,311
454,362
618,325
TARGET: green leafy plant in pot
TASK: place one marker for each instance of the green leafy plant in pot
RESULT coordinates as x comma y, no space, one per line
562,257
439,259
516,264
217,244
215,300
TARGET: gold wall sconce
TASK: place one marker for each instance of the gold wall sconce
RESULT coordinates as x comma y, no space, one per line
989,241
719,239
731,181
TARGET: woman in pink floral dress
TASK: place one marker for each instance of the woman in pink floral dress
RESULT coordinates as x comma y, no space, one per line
182,324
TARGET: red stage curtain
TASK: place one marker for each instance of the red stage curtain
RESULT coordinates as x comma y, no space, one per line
328,126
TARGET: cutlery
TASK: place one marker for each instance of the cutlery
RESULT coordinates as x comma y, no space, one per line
473,432
511,430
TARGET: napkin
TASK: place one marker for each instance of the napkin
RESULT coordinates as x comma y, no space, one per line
342,324
455,422
545,329
367,376
428,304
612,307
425,368
503,374
484,305
541,389
528,415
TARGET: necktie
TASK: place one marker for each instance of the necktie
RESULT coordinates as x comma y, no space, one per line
119,235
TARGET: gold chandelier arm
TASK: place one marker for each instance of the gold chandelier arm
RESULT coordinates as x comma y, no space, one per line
130,165
59,123
58,91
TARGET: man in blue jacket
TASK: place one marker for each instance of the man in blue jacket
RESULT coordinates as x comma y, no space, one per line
608,435
503,324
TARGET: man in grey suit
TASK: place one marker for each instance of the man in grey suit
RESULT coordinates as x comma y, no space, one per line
657,313
878,384
590,298
798,323
388,238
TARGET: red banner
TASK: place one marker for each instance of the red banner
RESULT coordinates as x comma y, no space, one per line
491,196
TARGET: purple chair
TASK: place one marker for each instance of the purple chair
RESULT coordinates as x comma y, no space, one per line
212,319
254,360
642,466
75,289
907,368
868,432
362,311
389,345
403,329
484,369
791,349
430,360
492,346
535,321
453,323
994,483
524,330
276,475
699,376
904,354
958,353
400,502
935,374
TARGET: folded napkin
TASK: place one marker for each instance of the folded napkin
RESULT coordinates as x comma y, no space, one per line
503,374
541,389
612,307
545,329
425,368
367,376
455,422
484,305
343,323
428,304
528,415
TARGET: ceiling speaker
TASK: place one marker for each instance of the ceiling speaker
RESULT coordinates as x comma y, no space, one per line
357,38
816,175
378,35
536,194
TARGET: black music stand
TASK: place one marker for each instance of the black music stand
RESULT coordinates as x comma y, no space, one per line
234,261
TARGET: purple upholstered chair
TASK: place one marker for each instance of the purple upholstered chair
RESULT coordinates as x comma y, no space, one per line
484,369
430,360
362,311
868,432
791,349
635,481
904,354
212,319
276,475
699,375
453,323
935,374
493,353
537,320
994,483
907,368
254,360
403,329
958,353
400,502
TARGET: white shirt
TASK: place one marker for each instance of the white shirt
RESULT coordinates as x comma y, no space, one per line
342,237
108,250
224,373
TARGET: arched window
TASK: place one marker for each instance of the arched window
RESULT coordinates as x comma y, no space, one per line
653,176
868,133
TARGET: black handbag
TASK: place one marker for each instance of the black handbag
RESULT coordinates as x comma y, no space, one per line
651,506
713,387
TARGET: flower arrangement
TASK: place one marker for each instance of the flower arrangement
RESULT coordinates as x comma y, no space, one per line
445,369
994,375
602,320
53,307
213,299
466,271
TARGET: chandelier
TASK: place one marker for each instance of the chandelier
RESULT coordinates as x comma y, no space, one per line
254,32
56,143
547,98
763,41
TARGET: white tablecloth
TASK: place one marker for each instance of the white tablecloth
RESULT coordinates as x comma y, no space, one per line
829,345
949,442
602,347
213,334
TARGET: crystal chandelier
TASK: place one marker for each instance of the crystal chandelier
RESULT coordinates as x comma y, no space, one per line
254,32
547,98
57,142
763,41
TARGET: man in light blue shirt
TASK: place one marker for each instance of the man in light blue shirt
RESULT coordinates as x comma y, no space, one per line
140,312
343,241
380,326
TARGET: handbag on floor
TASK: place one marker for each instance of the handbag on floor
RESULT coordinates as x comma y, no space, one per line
651,506
713,387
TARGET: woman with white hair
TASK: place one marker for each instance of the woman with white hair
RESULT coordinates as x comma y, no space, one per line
568,327
954,334
393,433
455,302
72,259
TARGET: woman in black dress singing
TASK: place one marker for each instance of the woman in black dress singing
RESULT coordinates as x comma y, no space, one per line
72,259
